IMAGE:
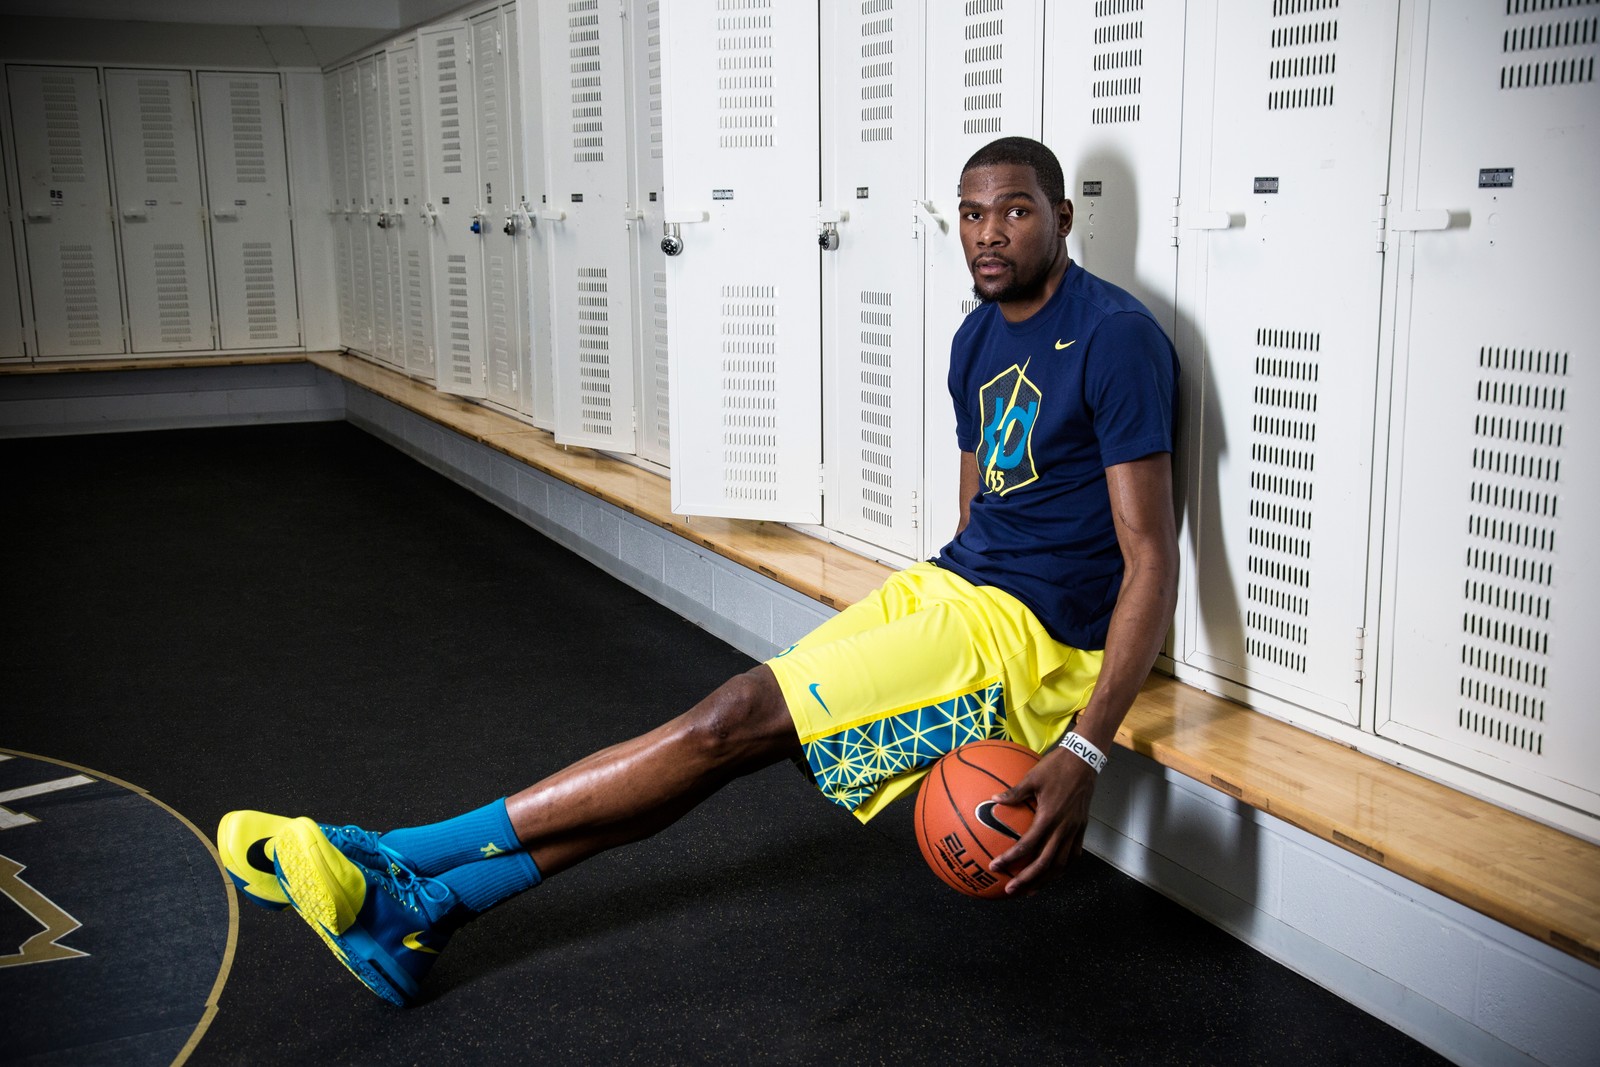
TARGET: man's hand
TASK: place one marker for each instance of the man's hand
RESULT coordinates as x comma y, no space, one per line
1061,786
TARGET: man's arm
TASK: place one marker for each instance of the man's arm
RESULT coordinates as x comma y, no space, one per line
968,488
1062,783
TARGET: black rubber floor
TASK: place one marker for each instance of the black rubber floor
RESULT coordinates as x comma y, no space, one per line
302,620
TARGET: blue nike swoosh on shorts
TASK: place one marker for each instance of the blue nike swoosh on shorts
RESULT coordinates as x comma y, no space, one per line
813,688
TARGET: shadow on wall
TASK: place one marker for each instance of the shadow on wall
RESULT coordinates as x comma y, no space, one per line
1104,189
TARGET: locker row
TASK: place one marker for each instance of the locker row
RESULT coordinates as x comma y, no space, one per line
154,210
1340,212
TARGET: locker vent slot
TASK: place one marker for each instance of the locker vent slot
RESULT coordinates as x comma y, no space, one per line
79,297
1120,93
653,43
502,350
63,128
171,264
417,298
984,58
157,131
383,313
451,129
968,306
1522,36
594,351
744,81
750,392
405,118
249,133
1304,77
260,291
458,321
877,406
658,322
1282,468
588,92
1512,524
491,129
877,72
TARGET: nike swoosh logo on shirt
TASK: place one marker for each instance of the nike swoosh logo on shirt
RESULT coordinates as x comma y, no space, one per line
1069,344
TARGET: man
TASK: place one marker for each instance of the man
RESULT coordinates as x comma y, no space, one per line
1046,611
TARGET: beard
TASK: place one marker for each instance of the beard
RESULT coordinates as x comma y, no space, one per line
1018,288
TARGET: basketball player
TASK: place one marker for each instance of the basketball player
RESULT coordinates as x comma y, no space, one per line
1045,612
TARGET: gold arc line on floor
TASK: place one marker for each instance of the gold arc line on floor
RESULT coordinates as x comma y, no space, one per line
212,998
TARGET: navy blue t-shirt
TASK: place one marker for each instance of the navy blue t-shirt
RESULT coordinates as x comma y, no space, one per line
1047,405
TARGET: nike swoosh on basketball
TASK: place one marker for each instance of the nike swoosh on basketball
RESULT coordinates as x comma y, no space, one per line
984,813
1069,344
256,855
410,941
819,699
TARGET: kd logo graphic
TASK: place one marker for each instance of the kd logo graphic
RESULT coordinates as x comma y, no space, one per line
1007,458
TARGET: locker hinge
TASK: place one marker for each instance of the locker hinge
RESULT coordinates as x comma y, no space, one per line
1175,215
822,479
1361,654
1382,221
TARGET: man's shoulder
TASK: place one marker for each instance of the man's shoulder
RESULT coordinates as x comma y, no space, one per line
1101,298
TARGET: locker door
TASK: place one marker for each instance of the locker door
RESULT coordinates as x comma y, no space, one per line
155,149
1287,112
452,183
252,238
984,81
586,92
408,223
535,219
1494,497
497,156
356,219
338,204
65,192
740,95
380,181
377,328
650,263
13,345
872,283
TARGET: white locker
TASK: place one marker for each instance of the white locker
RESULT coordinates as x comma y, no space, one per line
1287,122
985,81
740,95
407,225
1113,106
338,203
872,281
654,425
533,238
368,191
452,182
1493,500
380,179
247,185
498,189
13,344
64,188
155,151
586,68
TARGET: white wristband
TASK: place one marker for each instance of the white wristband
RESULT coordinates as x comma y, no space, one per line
1084,751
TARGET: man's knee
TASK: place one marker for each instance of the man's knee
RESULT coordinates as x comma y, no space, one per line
746,718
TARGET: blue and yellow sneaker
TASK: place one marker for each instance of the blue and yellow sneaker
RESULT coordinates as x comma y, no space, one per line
387,926
245,840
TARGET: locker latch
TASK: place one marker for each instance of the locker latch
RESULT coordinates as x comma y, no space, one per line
671,242
510,228
828,219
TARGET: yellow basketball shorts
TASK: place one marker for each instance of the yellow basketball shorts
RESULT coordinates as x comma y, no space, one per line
927,662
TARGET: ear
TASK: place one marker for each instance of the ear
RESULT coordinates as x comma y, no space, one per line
1064,217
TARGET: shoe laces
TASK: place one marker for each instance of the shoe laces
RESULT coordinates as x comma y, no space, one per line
345,836
417,892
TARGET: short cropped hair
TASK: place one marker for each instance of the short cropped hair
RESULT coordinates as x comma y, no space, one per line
1024,152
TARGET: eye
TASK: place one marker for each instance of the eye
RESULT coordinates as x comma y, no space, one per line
1017,213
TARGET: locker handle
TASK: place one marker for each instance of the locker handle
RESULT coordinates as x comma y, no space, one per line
1208,220
131,213
35,214
932,211
685,215
225,215
1427,219
552,214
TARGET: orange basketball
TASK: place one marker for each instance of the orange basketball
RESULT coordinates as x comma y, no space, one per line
958,829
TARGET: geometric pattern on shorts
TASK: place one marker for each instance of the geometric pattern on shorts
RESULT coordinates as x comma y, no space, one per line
850,765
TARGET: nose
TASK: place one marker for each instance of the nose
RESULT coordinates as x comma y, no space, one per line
989,232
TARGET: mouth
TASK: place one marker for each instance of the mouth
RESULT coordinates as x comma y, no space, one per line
990,266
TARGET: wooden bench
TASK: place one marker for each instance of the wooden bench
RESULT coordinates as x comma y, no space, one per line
1524,874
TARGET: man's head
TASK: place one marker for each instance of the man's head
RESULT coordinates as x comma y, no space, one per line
1014,218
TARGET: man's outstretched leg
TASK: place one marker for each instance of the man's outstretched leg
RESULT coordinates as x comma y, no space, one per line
388,923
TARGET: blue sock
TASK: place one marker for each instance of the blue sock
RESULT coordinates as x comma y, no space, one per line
480,886
441,846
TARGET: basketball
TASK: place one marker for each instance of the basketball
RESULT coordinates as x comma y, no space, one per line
958,829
